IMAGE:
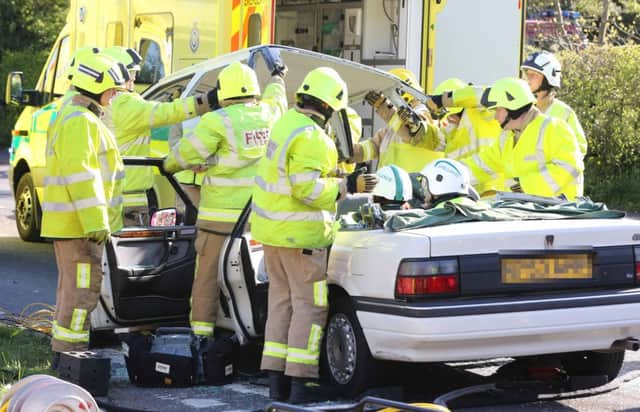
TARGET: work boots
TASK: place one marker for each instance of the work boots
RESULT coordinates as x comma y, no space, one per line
307,390
279,385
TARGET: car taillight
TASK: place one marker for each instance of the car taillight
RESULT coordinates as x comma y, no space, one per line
636,253
427,277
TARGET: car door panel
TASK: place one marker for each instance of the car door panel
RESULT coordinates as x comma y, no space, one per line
151,275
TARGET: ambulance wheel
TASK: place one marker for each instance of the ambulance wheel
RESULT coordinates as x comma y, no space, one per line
347,360
27,210
591,363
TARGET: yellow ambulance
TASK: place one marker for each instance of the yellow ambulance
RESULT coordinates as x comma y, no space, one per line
168,34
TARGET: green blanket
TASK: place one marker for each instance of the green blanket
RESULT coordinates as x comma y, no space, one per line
466,210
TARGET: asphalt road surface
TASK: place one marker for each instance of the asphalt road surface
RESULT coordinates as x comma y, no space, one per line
28,274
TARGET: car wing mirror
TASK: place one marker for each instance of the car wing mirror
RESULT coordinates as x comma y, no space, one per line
164,217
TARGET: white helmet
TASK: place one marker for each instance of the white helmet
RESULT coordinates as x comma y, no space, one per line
447,176
394,183
48,394
546,64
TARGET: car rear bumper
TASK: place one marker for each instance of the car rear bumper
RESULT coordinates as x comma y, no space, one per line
473,330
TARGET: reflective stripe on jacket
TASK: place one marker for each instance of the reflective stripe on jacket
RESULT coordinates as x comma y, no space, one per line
83,185
409,154
545,158
230,140
294,199
561,110
131,119
477,129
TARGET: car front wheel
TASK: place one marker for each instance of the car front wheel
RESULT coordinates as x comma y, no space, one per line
591,363
27,210
346,356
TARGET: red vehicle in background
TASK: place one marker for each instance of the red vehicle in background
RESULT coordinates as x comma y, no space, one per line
543,30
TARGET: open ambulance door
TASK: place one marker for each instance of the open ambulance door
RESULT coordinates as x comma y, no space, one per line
476,41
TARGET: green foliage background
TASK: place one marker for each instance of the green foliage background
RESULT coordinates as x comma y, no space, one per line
28,29
602,84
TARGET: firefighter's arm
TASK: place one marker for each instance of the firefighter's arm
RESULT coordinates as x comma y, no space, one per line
485,165
310,162
132,113
78,147
563,163
420,130
577,129
197,146
467,97
368,149
275,95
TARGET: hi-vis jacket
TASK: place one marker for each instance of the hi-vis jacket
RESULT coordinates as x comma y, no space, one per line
545,158
131,119
561,110
477,129
470,96
230,140
392,145
294,199
83,185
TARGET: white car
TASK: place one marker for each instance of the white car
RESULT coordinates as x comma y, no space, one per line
455,292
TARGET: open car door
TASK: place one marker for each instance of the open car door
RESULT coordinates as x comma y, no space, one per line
149,269
243,282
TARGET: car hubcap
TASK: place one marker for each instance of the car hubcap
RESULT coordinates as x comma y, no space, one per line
24,208
341,348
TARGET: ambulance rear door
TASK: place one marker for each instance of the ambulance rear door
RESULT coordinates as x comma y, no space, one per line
476,41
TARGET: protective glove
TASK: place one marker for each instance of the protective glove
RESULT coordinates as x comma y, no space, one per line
516,186
280,70
410,119
434,103
99,236
375,98
212,99
360,182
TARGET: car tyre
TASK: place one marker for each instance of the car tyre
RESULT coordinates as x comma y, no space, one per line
591,363
27,210
346,359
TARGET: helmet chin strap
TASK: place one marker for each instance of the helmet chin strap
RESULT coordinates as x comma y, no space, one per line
505,121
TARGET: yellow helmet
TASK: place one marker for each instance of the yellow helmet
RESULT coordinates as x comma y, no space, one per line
96,73
127,56
325,84
509,92
237,80
450,85
406,76
82,51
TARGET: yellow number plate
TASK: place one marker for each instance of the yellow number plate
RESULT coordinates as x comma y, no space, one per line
545,268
